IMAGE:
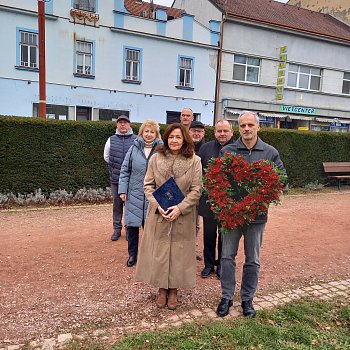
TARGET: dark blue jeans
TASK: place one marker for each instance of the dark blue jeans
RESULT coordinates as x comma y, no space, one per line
252,242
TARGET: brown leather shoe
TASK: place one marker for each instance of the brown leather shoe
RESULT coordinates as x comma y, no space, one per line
161,298
172,298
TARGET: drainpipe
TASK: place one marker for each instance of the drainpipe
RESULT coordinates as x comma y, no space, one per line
218,70
42,73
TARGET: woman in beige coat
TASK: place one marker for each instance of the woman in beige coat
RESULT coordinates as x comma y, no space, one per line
167,257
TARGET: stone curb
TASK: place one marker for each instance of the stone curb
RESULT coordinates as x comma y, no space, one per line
322,291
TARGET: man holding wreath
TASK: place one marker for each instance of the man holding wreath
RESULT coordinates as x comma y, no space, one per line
252,148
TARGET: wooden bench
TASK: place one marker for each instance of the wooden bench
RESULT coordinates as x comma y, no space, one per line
337,171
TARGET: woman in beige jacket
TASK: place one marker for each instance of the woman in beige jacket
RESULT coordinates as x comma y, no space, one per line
167,257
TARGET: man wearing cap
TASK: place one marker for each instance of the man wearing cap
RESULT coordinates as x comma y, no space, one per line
186,117
197,133
115,150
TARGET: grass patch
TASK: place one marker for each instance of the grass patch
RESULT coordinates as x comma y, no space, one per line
301,325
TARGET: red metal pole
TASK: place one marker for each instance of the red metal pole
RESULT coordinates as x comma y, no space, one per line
42,69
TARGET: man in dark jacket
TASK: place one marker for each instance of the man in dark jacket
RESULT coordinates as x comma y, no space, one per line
211,228
252,148
197,133
115,150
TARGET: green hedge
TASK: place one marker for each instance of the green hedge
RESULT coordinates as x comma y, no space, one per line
52,154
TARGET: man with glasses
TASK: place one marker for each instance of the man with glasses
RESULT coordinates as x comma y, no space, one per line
115,150
197,133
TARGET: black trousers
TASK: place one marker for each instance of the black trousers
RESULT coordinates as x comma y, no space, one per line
211,232
133,239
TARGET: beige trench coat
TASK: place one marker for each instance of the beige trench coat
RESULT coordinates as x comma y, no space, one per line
169,261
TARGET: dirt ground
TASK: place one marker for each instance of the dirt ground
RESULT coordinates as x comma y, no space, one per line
60,272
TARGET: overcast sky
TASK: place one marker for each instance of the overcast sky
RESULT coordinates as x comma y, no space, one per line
170,2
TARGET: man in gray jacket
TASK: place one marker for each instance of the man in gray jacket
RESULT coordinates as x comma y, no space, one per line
252,148
115,150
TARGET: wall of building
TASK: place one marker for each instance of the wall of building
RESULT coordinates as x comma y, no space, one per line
265,43
203,10
157,92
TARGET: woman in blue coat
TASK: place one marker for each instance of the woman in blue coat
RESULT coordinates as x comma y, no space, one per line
131,179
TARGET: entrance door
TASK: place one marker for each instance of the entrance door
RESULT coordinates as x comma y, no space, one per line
83,113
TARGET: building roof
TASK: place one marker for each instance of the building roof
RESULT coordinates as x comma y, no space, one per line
286,16
144,9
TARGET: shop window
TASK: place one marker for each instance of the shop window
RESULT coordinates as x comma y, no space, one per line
83,113
52,111
174,117
111,114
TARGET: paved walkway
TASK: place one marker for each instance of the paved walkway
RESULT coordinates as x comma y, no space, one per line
323,291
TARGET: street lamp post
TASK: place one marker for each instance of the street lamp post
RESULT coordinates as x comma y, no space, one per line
42,68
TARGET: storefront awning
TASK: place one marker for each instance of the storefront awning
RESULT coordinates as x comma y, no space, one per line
300,117
344,121
325,120
233,111
272,115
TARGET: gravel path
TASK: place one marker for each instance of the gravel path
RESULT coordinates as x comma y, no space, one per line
60,273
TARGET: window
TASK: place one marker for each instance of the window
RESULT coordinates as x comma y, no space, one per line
304,77
84,58
111,114
174,117
185,72
52,111
29,49
346,83
132,65
83,113
86,5
246,68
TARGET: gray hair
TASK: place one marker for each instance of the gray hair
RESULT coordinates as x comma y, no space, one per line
250,113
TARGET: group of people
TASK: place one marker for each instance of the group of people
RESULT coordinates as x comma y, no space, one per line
167,255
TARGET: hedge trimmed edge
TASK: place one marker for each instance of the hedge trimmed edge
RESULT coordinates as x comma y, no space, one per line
52,154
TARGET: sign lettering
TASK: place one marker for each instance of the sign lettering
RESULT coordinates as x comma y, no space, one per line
297,110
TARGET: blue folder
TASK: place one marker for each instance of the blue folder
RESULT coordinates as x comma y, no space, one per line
168,194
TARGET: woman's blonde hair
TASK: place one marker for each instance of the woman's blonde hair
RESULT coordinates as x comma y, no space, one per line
152,124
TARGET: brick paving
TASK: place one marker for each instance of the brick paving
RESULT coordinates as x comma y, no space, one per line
324,291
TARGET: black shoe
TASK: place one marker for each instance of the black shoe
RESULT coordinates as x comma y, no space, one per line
116,236
206,272
131,261
218,271
224,307
248,309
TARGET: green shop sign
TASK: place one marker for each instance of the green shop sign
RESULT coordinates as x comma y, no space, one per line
297,110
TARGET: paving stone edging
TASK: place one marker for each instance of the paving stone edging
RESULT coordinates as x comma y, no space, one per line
322,291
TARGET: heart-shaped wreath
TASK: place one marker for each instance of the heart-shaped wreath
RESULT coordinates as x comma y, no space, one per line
239,191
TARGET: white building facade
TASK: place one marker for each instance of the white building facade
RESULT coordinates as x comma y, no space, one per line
102,61
290,65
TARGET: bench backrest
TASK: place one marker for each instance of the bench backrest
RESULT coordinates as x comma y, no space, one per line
336,167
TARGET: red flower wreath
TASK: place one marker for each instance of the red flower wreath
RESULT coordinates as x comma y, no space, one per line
238,191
